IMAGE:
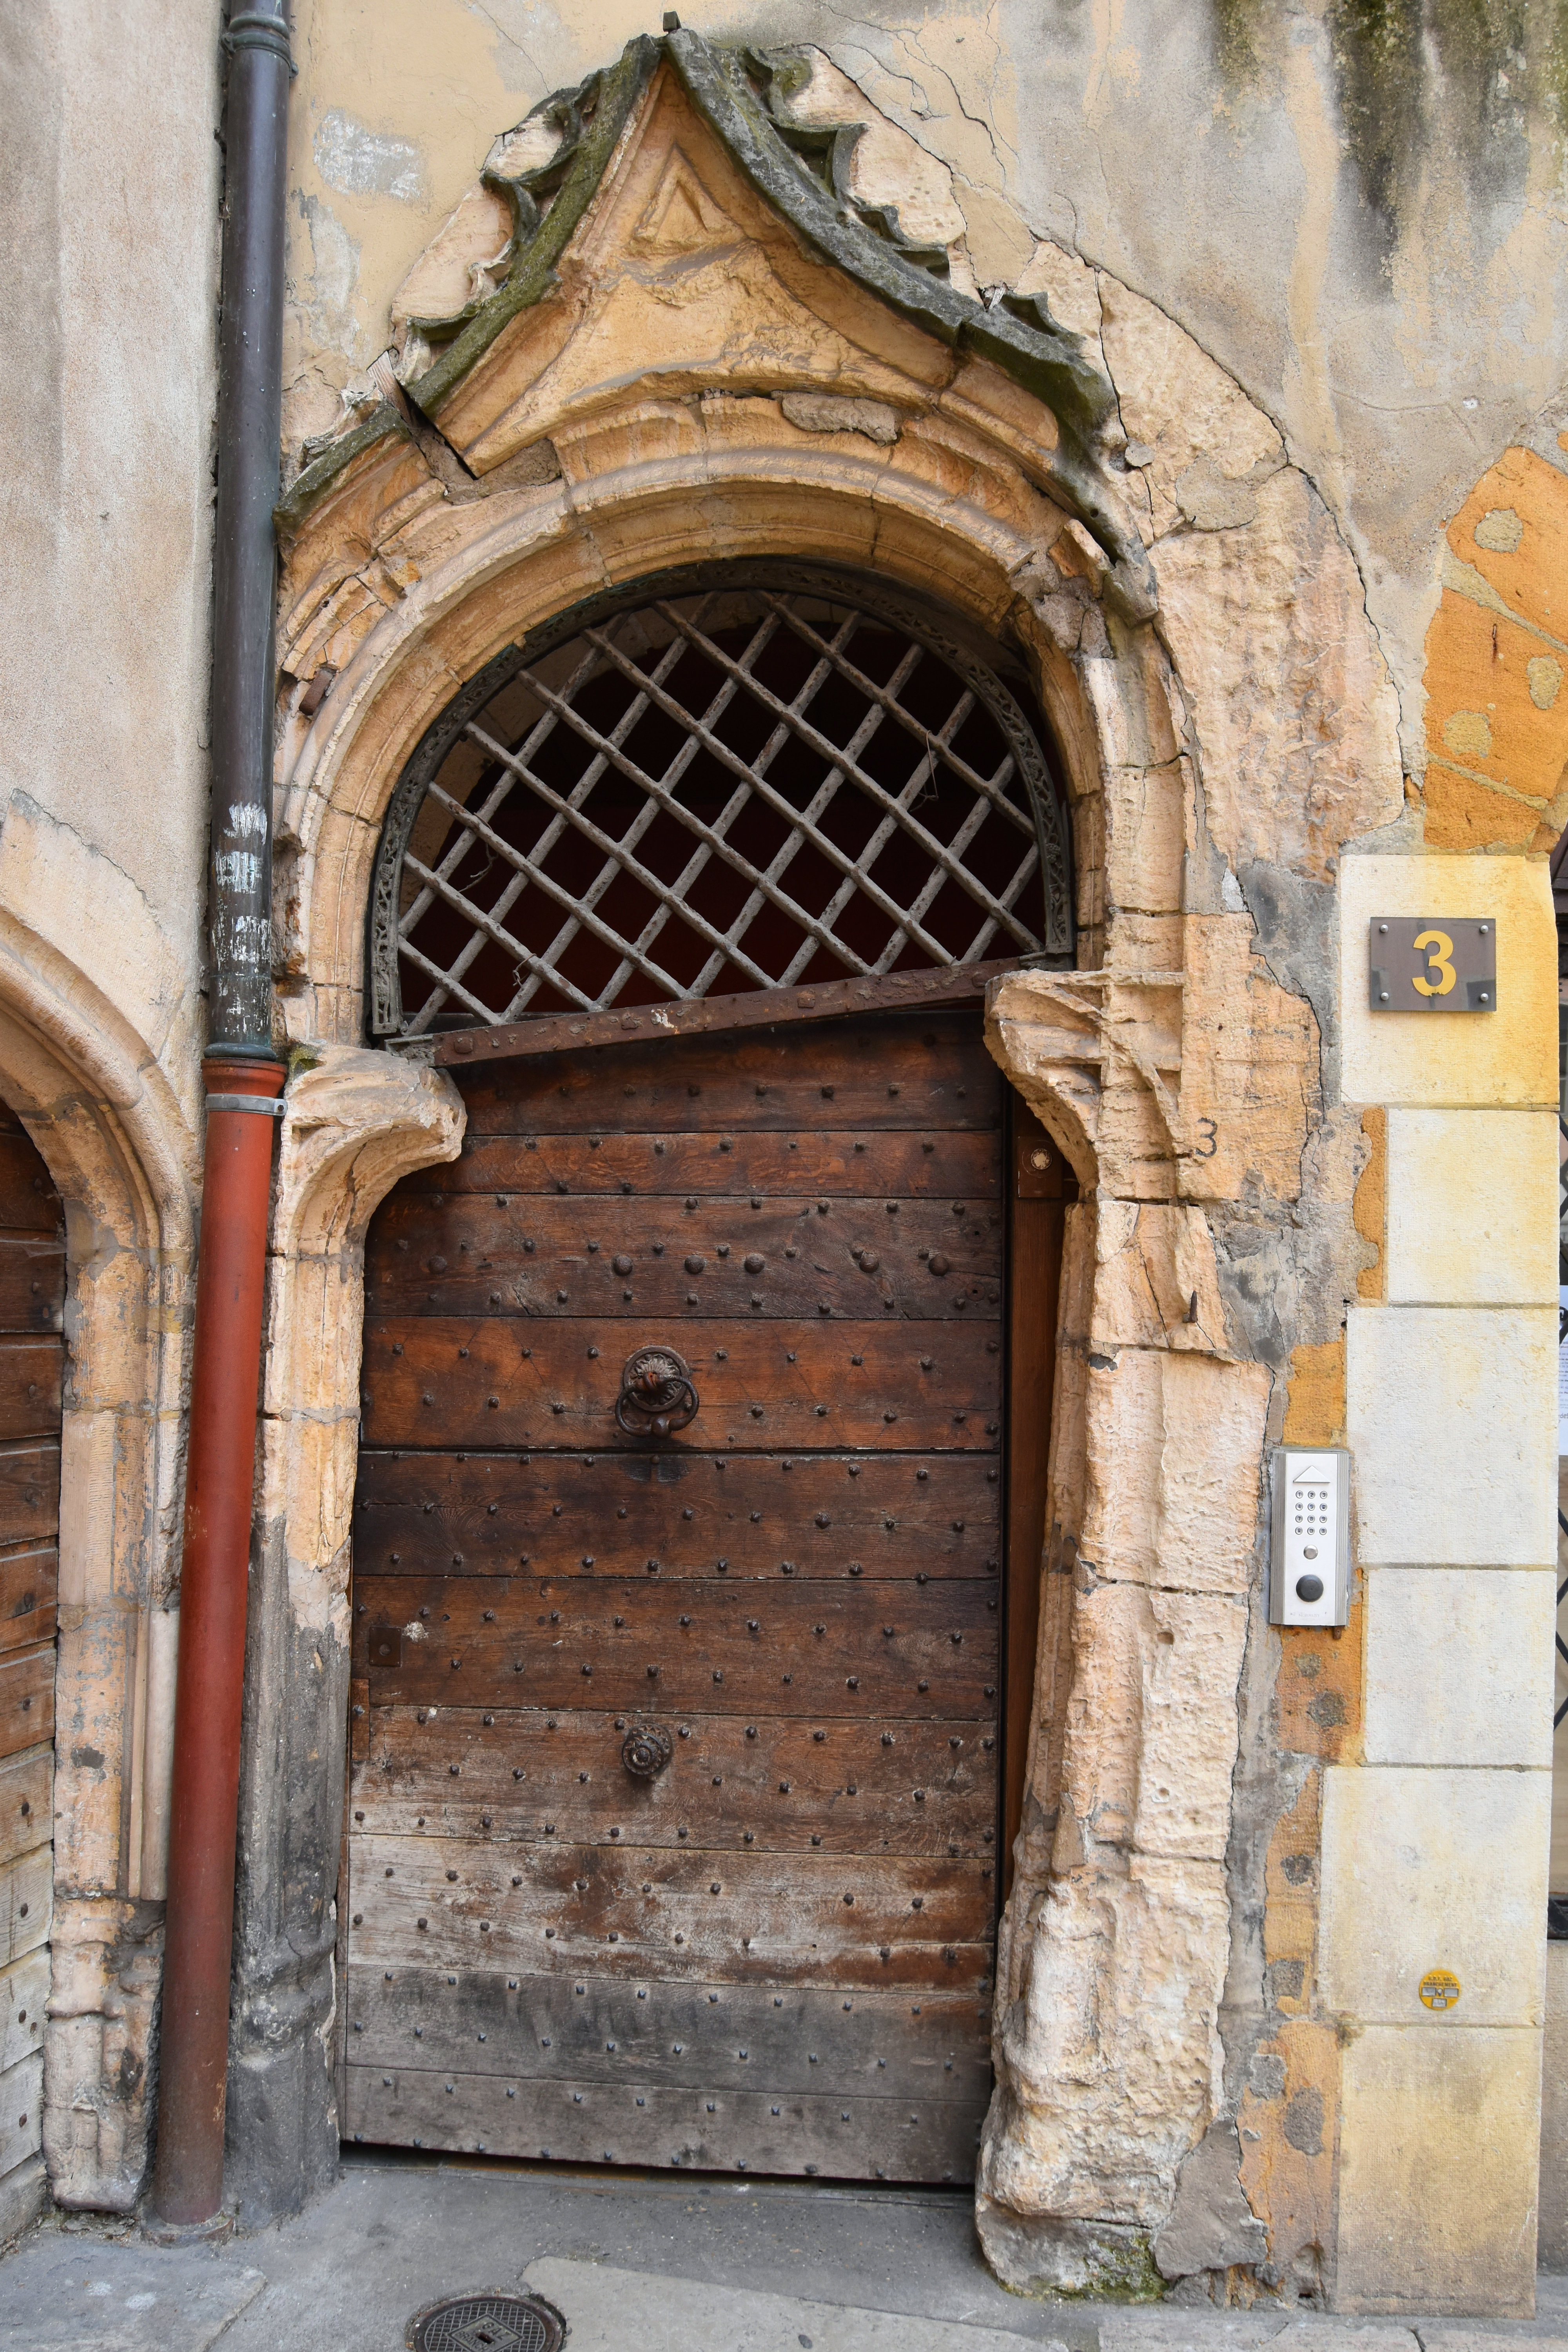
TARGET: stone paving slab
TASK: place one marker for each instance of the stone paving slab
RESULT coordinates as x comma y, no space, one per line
74,2292
606,2310
718,2266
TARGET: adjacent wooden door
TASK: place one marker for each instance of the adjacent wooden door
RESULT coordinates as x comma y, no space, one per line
675,1783
32,1362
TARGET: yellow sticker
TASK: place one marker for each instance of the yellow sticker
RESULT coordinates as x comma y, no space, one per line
1438,1989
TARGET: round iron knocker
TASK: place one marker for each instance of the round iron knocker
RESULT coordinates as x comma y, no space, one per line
645,1750
657,1394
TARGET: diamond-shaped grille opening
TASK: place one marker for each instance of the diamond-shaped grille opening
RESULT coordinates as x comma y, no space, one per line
729,782
488,2322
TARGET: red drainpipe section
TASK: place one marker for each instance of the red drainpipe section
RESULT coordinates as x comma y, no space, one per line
220,1479
244,1081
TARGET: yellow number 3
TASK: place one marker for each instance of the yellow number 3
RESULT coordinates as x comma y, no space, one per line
1438,947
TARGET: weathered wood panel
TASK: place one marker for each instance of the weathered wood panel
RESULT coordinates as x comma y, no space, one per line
622,1258
31,1371
821,1159
753,1008
32,1281
28,1202
848,2139
32,1360
752,1919
494,1381
733,2037
803,1589
889,1514
21,2111
27,1803
928,1071
817,1649
776,1785
26,1896
28,1583
24,1989
29,1490
27,1700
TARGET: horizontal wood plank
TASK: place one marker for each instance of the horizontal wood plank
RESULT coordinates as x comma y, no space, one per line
32,1281
917,1071
22,2111
606,2030
28,1201
752,1008
934,1515
24,1989
27,1700
494,1381
756,1257
27,1803
832,1160
779,1786
31,1374
651,1913
849,2138
29,1582
27,1903
29,1490
832,1650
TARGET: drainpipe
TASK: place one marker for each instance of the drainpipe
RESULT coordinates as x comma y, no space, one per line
244,1081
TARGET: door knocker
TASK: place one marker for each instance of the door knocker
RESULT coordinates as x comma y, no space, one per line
657,1394
645,1750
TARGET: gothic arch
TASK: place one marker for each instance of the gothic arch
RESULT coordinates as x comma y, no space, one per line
644,396
111,1132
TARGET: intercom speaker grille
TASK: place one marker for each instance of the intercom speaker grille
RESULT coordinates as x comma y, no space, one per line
747,785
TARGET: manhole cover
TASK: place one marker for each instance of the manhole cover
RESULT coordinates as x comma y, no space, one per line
488,2322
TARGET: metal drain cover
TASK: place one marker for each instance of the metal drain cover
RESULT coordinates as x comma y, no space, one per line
489,2322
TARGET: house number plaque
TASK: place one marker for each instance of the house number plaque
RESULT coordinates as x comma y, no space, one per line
1432,963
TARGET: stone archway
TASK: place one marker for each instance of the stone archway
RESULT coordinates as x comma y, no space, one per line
111,1132
568,454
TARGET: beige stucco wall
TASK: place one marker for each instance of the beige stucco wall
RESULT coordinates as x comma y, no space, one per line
108,286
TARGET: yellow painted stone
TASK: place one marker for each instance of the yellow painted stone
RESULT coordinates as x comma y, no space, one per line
1489,1060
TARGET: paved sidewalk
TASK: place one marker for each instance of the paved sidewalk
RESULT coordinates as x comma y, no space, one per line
638,2263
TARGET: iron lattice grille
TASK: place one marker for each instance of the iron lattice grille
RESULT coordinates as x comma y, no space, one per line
731,785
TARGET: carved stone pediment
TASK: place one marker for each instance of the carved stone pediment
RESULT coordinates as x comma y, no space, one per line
685,236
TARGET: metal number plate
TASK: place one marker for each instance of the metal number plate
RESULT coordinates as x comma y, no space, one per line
1432,963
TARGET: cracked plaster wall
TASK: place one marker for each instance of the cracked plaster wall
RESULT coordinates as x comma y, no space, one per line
1359,215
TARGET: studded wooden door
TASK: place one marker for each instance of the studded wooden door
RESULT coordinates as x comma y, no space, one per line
674,1773
32,1362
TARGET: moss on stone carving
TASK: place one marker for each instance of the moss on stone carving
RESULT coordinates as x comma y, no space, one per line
803,171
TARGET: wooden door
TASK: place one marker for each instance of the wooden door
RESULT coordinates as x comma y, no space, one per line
32,1350
674,1767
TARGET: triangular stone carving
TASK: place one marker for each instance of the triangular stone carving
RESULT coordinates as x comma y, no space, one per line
682,216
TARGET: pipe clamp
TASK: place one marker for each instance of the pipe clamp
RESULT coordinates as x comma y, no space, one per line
265,1105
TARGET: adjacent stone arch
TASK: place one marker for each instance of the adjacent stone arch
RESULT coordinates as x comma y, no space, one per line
104,1115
